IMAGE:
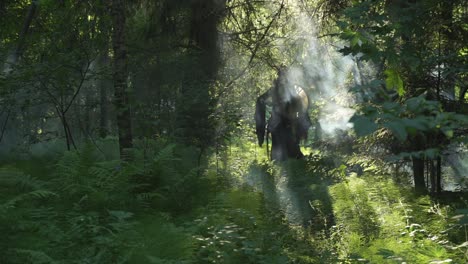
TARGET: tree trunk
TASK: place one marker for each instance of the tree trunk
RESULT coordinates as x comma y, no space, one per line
88,118
204,34
103,117
432,173
24,31
15,54
3,128
195,105
418,175
121,96
438,184
448,47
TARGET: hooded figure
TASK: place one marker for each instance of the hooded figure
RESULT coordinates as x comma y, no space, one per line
289,120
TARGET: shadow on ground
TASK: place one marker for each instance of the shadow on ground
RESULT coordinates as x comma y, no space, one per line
297,189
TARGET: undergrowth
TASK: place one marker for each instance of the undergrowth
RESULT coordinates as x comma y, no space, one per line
173,204
378,221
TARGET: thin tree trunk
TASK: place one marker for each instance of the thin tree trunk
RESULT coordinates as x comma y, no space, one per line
88,104
432,173
461,96
25,29
448,46
103,88
68,130
121,97
418,174
2,132
438,174
103,111
65,130
16,54
12,60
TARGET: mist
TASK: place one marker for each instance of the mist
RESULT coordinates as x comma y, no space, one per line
325,74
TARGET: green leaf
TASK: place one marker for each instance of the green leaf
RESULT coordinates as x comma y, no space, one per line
414,104
363,125
448,132
460,118
355,40
431,153
419,123
398,129
394,81
390,107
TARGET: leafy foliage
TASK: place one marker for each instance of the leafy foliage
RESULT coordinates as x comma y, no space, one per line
379,221
408,119
86,211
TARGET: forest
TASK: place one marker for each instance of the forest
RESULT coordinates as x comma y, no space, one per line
233,131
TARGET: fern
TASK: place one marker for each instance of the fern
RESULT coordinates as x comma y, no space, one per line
86,212
184,180
10,177
24,187
166,154
146,198
34,256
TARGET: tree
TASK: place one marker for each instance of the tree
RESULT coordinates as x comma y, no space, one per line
420,62
13,58
121,93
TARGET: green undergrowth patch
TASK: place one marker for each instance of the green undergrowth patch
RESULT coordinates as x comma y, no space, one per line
175,204
84,208
165,206
239,228
378,221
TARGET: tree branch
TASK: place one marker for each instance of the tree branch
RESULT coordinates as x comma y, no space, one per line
5,124
255,50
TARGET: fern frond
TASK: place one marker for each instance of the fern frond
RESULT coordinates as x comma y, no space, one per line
16,178
35,256
42,213
149,195
77,188
193,173
40,194
166,154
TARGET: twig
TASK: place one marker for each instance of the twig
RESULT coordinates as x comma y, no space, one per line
5,124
